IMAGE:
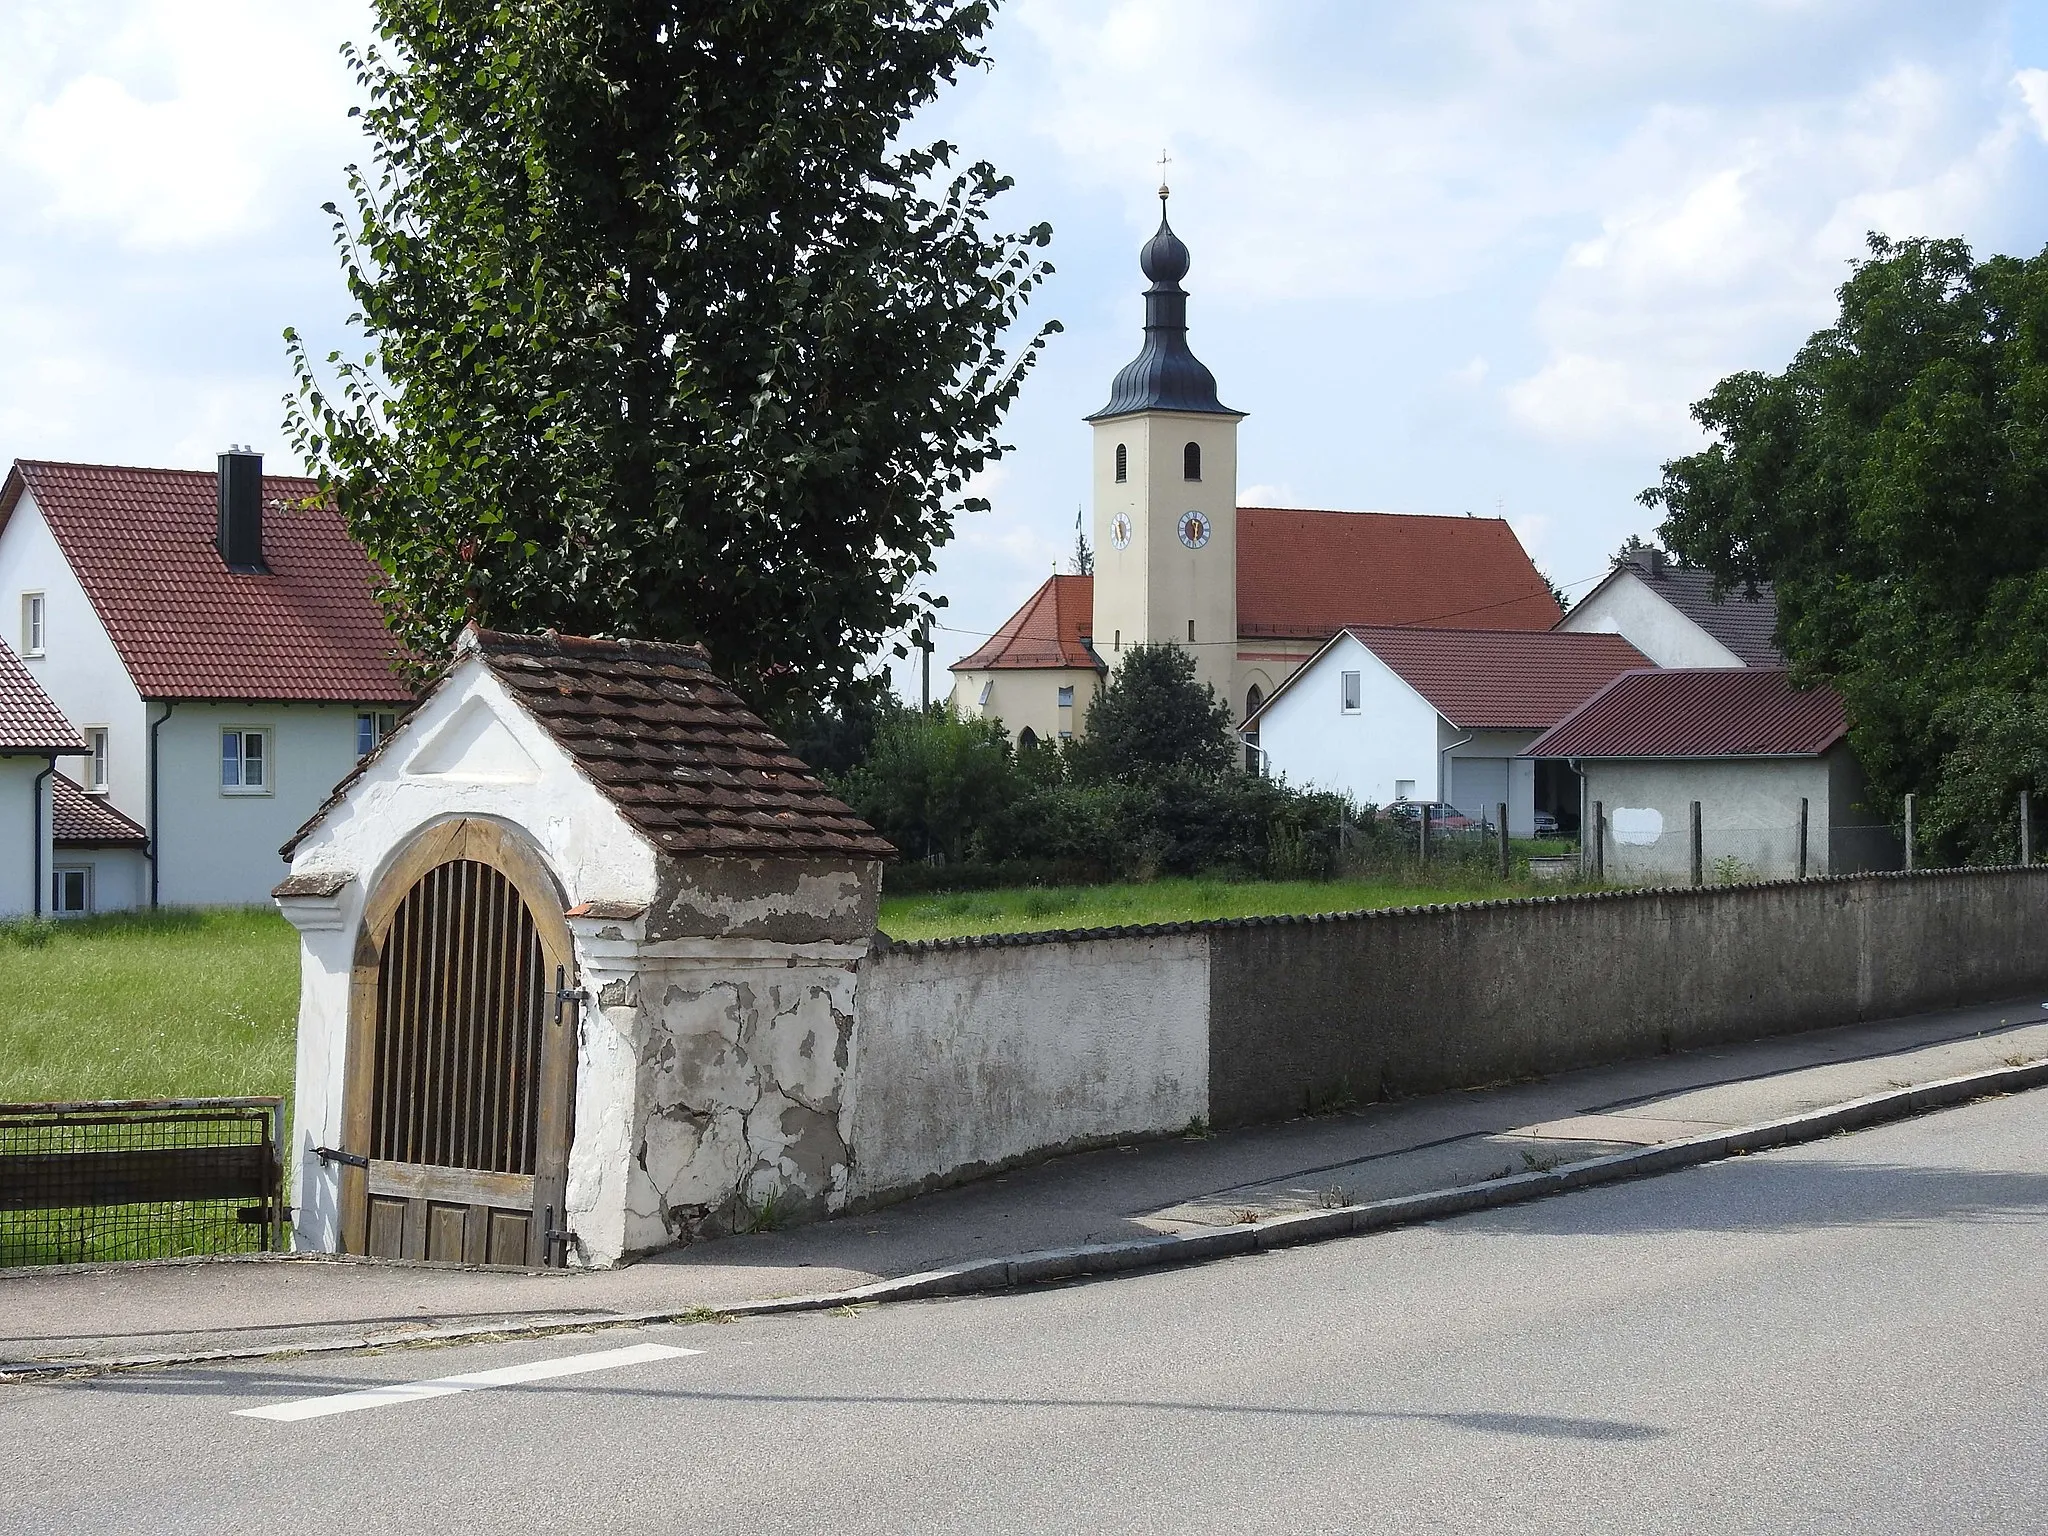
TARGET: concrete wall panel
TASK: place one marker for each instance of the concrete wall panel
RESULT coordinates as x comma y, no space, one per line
971,1058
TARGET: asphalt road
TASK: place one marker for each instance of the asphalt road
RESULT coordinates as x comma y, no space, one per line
1842,1336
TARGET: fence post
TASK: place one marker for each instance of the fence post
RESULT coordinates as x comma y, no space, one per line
2026,829
1699,873
1422,833
1803,808
1909,834
1599,840
1504,866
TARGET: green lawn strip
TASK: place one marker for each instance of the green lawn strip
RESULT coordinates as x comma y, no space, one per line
1037,909
173,1004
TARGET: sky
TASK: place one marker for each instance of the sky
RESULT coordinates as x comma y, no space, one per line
1477,256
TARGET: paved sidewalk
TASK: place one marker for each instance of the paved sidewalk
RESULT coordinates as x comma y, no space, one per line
120,1311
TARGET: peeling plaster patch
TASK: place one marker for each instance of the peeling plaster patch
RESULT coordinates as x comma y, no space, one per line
784,900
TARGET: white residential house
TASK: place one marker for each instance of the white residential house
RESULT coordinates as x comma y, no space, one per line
1391,715
214,640
1669,612
33,735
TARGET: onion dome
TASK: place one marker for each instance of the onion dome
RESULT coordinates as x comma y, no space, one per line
1165,375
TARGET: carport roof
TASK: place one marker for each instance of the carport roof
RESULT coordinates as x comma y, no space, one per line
1699,712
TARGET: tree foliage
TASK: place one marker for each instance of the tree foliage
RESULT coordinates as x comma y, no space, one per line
667,334
1152,720
1893,483
932,780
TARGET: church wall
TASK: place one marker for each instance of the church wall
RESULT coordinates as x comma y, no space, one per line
1022,697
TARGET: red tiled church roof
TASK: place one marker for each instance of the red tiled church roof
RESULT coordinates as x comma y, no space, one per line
79,818
1309,574
1700,712
186,627
1306,575
1052,629
1504,680
29,722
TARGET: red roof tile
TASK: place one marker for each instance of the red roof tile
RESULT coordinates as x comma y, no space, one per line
1306,575
1309,574
29,722
1495,680
1052,629
186,627
1700,712
77,817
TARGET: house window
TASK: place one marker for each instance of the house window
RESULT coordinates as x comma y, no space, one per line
1067,697
372,726
1027,738
1066,735
245,762
96,759
1354,693
1123,464
1117,641
1191,462
1191,631
70,892
988,691
32,624
1404,789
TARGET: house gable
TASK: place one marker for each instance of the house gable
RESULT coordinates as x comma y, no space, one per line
1391,740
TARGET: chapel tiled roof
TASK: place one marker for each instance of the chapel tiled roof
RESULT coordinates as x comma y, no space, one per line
1052,629
29,722
82,819
142,542
684,760
1700,712
1745,623
1309,574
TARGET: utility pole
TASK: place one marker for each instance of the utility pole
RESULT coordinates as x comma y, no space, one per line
924,643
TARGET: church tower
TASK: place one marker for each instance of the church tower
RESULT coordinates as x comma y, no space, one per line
1166,488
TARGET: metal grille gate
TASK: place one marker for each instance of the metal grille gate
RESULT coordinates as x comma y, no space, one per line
462,1057
460,1008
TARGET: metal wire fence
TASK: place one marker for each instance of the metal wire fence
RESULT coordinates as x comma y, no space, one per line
140,1179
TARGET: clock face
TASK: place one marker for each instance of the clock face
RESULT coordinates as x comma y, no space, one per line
1120,530
1194,530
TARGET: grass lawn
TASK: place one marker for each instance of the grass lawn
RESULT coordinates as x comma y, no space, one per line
1035,909
170,1004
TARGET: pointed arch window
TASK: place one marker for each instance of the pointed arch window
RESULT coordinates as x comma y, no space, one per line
1123,464
1253,698
1191,462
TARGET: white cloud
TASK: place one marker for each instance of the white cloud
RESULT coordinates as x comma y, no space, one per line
2033,88
180,125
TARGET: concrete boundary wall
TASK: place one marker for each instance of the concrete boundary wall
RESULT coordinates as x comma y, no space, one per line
976,1053
971,1058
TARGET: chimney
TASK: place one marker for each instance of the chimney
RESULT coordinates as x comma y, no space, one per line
241,510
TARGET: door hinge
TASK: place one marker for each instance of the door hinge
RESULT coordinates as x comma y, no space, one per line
335,1155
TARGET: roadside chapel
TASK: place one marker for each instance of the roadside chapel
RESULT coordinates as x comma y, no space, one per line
578,945
1252,592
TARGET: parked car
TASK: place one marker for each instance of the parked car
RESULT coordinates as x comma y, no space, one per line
1546,825
1443,816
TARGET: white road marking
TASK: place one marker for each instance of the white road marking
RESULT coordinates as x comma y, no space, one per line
475,1381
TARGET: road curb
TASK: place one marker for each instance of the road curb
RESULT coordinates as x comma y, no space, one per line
1050,1265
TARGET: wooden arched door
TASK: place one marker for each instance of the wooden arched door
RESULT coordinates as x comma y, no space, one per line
461,1057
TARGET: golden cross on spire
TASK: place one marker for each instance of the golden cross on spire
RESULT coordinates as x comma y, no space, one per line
1164,160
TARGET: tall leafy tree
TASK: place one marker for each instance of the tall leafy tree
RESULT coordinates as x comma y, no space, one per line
1152,721
1893,483
668,332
